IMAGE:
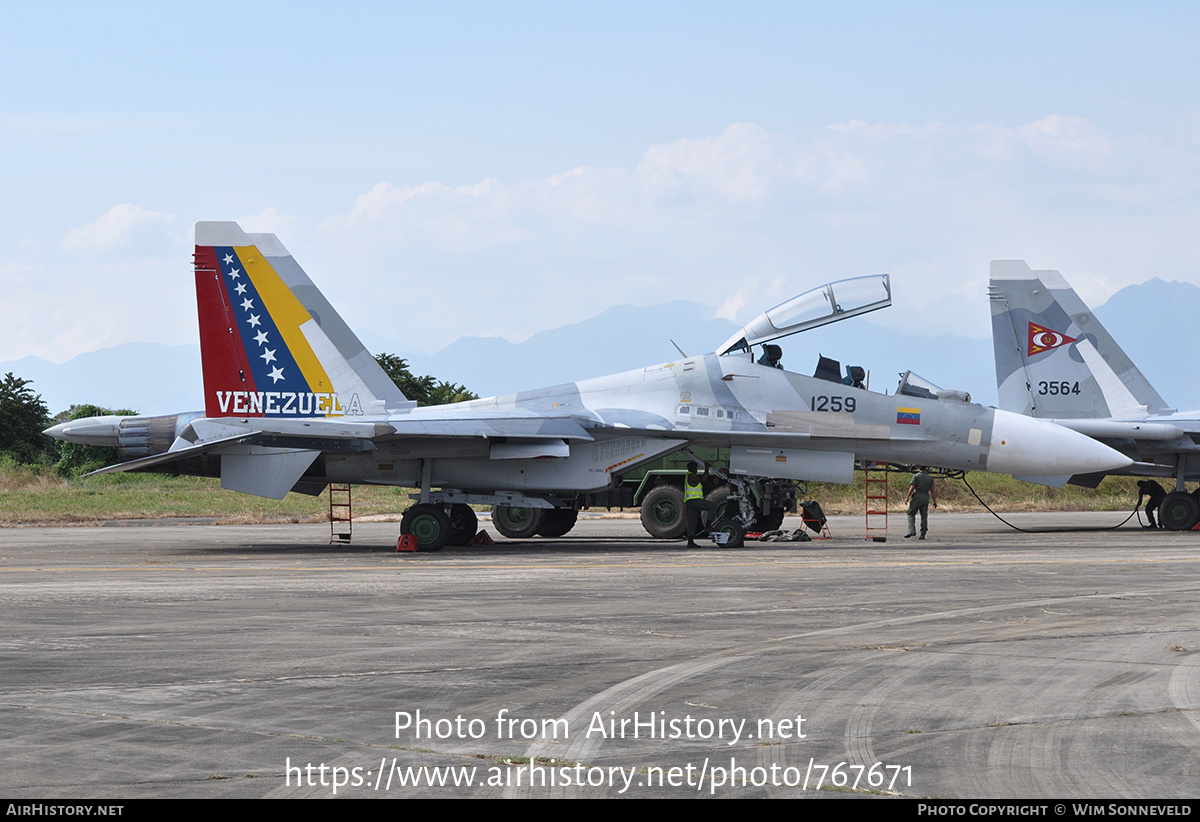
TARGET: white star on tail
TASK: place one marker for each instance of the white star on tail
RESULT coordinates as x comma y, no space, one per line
269,356
276,375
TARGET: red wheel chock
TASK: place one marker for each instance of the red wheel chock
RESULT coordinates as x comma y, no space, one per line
482,538
407,542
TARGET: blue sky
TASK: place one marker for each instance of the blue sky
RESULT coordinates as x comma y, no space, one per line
500,168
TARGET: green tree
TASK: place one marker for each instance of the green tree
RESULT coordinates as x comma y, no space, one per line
425,390
23,417
74,459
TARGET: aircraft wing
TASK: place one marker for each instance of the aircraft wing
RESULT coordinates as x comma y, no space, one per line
175,455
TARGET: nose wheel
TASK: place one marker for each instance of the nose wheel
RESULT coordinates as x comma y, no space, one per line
728,533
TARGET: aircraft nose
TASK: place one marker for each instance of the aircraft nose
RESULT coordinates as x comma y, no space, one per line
1027,446
88,431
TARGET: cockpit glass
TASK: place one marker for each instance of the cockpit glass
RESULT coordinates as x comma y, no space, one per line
808,306
860,292
818,306
914,385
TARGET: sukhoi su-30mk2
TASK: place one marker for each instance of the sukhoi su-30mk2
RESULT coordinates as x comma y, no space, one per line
293,402
1057,362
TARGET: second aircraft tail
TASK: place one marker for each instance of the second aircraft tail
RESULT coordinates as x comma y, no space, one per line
1053,357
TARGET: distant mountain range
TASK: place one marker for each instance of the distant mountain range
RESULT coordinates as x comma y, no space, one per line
1153,322
150,378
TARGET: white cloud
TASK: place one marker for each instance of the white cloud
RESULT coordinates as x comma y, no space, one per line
740,165
1071,140
732,306
114,229
852,175
443,216
718,218
741,219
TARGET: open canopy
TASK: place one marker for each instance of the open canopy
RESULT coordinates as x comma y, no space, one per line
825,304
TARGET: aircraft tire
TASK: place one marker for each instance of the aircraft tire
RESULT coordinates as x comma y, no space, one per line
663,515
735,534
517,522
557,522
1179,511
429,524
719,497
464,524
769,521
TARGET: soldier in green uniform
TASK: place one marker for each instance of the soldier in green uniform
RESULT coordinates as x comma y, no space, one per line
920,494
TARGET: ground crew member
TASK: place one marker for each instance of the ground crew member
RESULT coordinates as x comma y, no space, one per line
694,502
920,494
1154,494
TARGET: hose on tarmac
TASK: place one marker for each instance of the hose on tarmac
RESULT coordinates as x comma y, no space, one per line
962,475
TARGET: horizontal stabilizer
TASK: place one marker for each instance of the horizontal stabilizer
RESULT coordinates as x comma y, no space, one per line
176,455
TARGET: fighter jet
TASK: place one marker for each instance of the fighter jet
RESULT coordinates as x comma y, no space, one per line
293,402
1055,361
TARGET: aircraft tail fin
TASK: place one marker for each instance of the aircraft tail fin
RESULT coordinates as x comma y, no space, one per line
271,345
1053,357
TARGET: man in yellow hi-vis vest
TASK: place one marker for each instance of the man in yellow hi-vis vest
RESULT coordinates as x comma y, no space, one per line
694,502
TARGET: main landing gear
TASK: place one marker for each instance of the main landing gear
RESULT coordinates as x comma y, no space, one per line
436,525
518,522
1179,511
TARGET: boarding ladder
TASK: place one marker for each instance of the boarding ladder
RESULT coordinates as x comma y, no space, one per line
340,512
875,487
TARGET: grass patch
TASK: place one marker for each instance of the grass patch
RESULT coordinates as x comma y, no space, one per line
38,495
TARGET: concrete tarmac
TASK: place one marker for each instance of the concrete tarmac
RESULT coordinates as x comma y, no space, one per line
259,661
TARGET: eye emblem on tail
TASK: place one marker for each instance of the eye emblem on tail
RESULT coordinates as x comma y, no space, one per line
1043,339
